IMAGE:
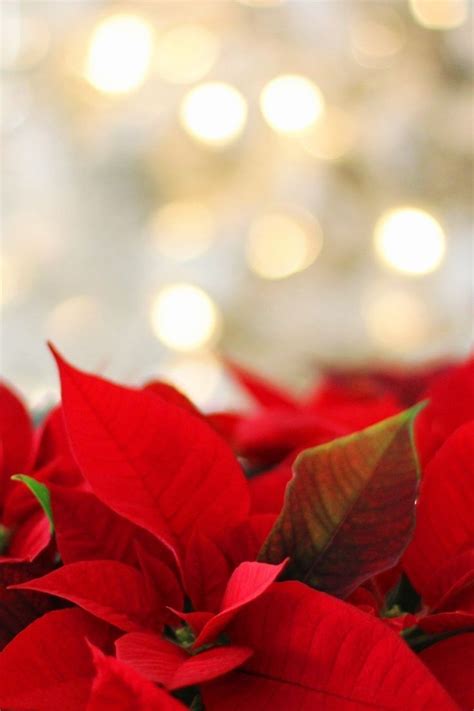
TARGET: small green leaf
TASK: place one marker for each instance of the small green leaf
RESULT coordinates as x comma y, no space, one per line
349,510
41,492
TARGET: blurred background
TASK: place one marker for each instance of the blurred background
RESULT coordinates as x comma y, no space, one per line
288,183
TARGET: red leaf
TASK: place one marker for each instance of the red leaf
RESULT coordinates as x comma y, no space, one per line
118,687
171,394
267,491
53,442
29,539
16,438
263,392
18,608
162,661
152,462
112,591
248,582
206,572
312,651
86,529
451,661
349,508
48,665
451,404
444,520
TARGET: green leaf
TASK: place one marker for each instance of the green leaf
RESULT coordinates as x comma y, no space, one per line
41,492
349,510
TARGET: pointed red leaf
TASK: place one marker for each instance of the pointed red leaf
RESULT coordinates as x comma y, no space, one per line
248,582
444,520
312,651
349,509
118,687
451,661
16,437
152,462
267,490
112,591
48,665
162,661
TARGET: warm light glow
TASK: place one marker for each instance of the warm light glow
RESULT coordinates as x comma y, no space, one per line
183,230
378,38
397,321
186,53
439,14
291,103
73,316
281,244
119,54
331,137
214,113
410,241
184,317
197,376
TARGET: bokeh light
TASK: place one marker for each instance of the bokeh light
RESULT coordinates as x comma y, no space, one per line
331,137
377,39
397,321
439,14
410,241
198,376
185,53
214,113
184,317
280,244
71,318
119,54
183,229
291,103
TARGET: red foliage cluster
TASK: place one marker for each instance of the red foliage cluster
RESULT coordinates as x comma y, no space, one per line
141,567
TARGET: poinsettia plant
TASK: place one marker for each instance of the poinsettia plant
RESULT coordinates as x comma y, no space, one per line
317,553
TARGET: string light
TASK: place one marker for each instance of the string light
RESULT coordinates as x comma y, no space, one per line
214,113
184,317
410,241
183,230
281,244
291,103
439,14
120,53
186,53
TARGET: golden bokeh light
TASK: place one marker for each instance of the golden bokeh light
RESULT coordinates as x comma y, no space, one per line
331,137
439,14
197,376
291,103
377,39
119,54
214,113
185,53
281,244
184,317
396,320
183,229
73,316
410,241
